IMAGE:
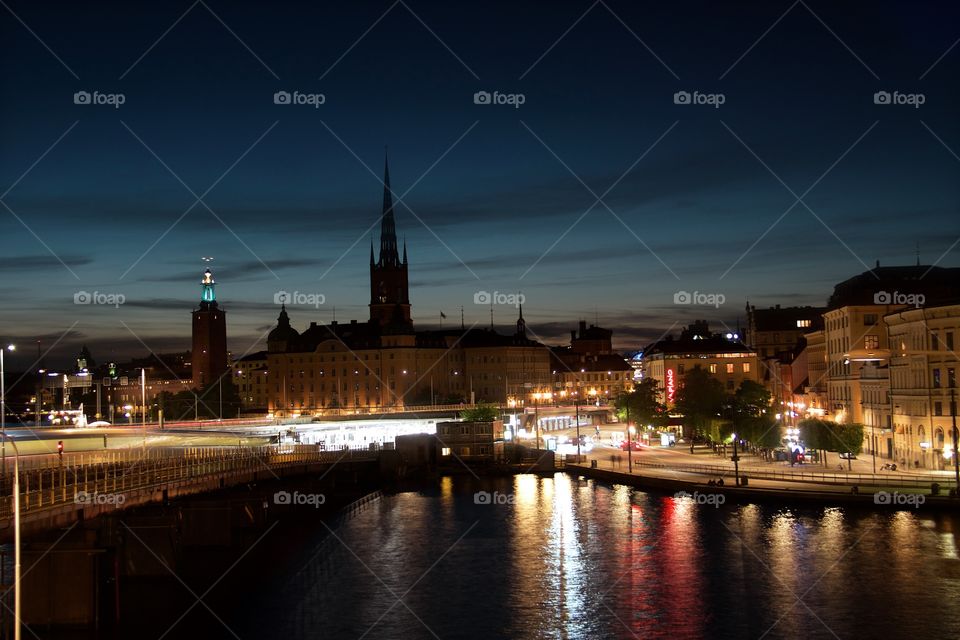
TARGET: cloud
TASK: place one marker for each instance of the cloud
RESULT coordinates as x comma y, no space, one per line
39,262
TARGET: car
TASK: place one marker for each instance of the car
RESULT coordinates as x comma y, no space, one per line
848,456
628,445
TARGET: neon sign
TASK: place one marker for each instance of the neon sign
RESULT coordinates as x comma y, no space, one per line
671,386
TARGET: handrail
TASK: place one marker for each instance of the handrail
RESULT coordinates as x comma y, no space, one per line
803,476
105,479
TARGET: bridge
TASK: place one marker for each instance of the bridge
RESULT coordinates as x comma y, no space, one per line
56,492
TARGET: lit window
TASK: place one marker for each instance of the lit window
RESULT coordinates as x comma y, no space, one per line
730,367
746,367
713,368
445,451
803,323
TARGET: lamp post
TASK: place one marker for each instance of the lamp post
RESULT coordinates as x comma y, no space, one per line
16,537
736,462
3,410
576,404
956,436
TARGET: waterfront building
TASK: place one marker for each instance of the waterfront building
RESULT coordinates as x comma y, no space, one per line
589,367
922,374
726,358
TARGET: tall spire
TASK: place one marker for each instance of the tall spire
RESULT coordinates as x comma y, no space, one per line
521,323
388,229
404,249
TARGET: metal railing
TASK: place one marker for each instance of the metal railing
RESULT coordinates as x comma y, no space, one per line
859,479
107,477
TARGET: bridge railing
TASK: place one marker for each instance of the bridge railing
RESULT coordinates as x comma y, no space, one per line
107,477
820,477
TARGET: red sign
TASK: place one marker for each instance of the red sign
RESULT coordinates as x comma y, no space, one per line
671,386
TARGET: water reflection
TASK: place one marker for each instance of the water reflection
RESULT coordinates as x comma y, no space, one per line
562,557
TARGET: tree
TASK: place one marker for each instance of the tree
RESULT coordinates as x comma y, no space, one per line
643,405
832,436
750,415
481,413
700,399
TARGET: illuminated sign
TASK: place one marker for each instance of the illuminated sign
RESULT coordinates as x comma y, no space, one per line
671,386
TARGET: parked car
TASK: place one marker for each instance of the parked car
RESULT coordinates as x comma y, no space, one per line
630,445
848,456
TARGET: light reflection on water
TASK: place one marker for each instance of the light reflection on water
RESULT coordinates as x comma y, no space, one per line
561,557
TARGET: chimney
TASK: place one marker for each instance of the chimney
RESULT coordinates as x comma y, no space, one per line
583,326
573,336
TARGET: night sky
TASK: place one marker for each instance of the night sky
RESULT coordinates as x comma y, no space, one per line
494,197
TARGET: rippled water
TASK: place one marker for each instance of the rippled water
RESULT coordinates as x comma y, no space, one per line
568,558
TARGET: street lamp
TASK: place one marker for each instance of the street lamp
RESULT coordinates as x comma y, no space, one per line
3,409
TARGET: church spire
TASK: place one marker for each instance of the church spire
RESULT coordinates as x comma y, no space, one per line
404,250
521,324
388,229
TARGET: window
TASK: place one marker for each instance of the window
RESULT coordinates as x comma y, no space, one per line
713,368
951,377
445,451
871,342
869,319
936,378
803,323
938,408
949,340
934,342
729,384
729,367
746,367
680,368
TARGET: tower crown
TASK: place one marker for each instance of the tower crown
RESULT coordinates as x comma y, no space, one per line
389,256
208,293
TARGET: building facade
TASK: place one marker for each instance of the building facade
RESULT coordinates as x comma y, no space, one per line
727,359
923,377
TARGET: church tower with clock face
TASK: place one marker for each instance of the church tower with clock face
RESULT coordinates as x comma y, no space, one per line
389,291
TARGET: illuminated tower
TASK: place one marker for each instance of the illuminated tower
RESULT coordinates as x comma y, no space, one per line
389,293
209,359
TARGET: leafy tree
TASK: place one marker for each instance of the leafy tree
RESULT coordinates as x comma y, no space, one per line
750,415
832,436
481,413
643,405
700,399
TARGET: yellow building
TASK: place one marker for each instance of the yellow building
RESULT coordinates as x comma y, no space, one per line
923,372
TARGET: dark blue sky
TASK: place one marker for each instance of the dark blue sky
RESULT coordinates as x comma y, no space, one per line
495,192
